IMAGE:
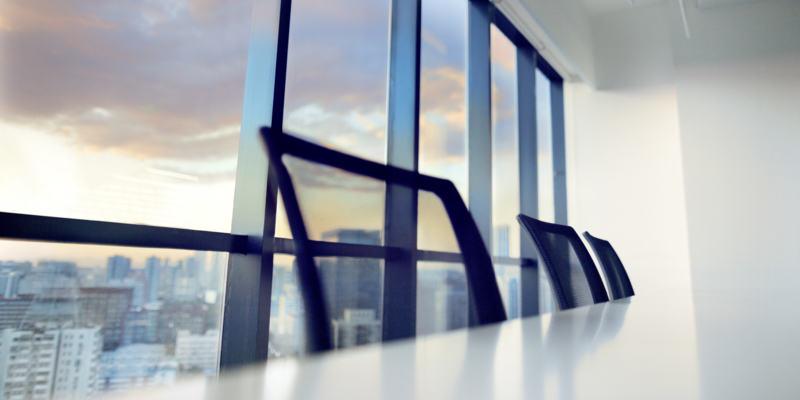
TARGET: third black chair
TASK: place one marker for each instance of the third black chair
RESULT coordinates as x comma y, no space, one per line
570,269
616,278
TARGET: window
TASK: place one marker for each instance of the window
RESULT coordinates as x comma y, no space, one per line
154,144
123,112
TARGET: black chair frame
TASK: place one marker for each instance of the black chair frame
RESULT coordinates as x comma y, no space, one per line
488,305
619,285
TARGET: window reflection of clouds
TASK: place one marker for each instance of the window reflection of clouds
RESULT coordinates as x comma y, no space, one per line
442,146
336,78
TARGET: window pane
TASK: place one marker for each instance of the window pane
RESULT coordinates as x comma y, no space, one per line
505,152
102,319
508,281
442,147
353,292
442,301
336,78
434,230
122,111
286,317
544,135
338,206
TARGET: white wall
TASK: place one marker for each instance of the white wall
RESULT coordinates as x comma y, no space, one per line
738,86
625,171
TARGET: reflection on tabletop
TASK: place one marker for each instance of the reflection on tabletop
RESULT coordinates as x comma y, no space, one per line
530,358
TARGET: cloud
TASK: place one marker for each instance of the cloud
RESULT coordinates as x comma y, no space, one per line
338,55
141,78
442,115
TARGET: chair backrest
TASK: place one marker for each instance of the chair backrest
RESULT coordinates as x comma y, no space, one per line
570,269
488,305
616,278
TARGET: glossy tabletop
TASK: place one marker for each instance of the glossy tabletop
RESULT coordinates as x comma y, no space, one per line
649,347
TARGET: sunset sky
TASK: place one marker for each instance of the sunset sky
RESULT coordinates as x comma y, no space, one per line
130,111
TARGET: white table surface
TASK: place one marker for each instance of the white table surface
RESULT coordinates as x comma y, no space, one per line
670,346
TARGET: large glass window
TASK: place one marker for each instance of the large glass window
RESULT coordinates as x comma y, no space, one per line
442,114
505,168
91,320
122,111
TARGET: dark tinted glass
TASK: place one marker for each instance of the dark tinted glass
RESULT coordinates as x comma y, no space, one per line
571,271
616,278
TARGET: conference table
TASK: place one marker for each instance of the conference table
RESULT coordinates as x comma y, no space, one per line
722,345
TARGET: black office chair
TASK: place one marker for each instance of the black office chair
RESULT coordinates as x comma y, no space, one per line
570,269
477,262
616,278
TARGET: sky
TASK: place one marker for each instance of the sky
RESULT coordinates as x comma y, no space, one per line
130,111
124,111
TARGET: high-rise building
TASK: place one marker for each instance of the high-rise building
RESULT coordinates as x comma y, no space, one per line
197,353
106,307
46,363
500,244
452,300
169,274
27,363
442,300
138,285
13,310
21,267
356,327
152,272
77,364
9,283
118,268
179,316
141,324
352,283
513,298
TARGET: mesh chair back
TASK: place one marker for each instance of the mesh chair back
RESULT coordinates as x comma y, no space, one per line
570,269
616,278
481,281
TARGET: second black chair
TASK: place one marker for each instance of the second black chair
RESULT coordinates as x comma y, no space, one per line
616,278
572,274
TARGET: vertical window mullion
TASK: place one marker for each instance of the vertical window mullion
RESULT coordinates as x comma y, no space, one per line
479,122
528,174
245,324
400,273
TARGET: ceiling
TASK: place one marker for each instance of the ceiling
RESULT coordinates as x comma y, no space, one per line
604,6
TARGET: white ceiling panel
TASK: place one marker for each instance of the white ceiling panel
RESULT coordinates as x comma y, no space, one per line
604,6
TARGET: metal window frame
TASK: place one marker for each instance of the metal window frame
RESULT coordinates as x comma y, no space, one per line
251,243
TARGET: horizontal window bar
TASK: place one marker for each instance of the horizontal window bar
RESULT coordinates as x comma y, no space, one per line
67,230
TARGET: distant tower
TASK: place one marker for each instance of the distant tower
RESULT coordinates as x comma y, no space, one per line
500,243
352,283
152,271
9,283
513,298
118,268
